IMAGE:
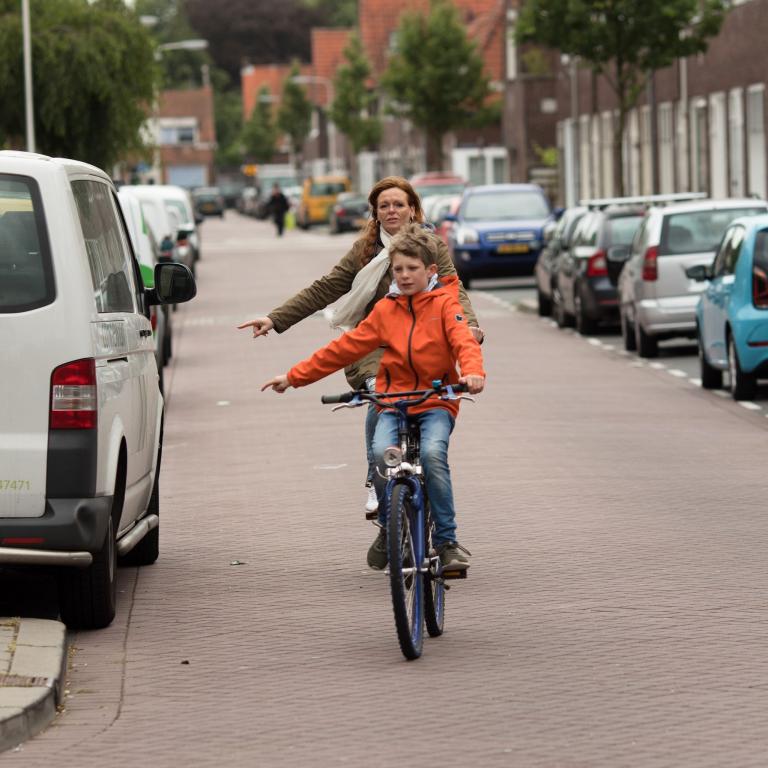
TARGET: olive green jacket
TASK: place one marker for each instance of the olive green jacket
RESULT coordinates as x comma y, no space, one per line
335,284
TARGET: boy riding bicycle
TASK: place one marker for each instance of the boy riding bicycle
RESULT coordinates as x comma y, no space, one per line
422,328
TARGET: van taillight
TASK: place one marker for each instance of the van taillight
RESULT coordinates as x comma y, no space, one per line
759,288
73,395
597,266
153,319
650,264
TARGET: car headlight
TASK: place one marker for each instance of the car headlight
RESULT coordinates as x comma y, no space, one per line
466,236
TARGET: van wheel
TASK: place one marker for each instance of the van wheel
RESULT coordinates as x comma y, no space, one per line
544,304
88,596
147,550
466,280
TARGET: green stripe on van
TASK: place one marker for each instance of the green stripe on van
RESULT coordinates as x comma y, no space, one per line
147,275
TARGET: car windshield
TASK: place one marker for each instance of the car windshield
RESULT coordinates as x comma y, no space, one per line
178,207
698,231
26,280
425,190
621,230
497,206
321,188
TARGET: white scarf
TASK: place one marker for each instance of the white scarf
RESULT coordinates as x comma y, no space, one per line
351,307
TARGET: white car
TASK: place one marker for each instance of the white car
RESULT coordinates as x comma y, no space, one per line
657,299
81,414
146,249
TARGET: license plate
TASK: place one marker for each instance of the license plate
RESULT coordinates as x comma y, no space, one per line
359,223
513,248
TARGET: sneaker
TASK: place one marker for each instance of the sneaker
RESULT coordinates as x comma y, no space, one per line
372,504
453,557
377,554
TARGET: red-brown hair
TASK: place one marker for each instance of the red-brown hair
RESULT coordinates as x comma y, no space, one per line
370,233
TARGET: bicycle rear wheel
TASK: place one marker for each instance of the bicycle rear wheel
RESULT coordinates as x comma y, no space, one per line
434,591
405,580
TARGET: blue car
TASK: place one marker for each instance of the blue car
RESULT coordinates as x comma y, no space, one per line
498,230
732,313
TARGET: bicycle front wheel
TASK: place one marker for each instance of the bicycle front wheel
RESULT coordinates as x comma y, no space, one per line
405,580
434,590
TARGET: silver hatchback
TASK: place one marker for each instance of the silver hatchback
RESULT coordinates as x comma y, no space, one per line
657,300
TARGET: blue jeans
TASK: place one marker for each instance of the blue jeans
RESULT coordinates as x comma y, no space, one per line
436,426
371,417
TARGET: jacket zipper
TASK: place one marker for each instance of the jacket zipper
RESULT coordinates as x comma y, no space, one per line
410,337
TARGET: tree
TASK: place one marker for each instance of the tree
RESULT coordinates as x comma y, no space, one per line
85,105
436,76
335,13
354,104
623,40
259,132
256,31
295,115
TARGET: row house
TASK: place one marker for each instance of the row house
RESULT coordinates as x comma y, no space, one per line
699,127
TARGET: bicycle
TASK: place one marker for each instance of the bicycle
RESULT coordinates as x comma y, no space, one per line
417,580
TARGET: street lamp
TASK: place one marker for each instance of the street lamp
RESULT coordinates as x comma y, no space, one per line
324,81
28,103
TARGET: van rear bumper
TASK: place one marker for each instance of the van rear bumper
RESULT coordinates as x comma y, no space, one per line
67,534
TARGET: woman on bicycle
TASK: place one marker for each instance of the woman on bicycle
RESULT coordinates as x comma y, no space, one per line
394,204
424,332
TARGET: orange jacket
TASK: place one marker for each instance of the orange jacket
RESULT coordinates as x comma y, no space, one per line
423,337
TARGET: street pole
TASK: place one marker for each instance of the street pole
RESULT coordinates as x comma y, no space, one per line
28,102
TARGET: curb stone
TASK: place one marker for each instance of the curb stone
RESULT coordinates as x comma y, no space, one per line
33,658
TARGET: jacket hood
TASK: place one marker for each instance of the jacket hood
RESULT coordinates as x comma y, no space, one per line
446,284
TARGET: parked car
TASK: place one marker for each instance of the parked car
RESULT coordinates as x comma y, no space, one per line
248,201
147,252
349,213
290,186
732,312
81,432
584,292
445,214
437,183
558,243
165,222
498,230
657,299
317,197
209,201
179,200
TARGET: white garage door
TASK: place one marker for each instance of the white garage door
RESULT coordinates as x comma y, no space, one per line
188,176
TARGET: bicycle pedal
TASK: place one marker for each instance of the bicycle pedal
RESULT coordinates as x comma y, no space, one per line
454,574
371,515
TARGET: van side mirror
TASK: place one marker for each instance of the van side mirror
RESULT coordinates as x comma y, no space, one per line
174,284
450,217
699,273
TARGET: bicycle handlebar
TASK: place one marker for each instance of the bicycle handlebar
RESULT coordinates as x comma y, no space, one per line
376,397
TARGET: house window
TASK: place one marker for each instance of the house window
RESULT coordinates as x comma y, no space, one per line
756,141
175,134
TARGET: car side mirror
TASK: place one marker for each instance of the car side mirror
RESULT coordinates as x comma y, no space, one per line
450,217
174,284
699,273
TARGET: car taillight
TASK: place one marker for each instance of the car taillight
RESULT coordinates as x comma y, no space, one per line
759,288
597,266
73,395
182,241
650,264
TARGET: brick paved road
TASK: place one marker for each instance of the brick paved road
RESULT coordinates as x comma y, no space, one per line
615,615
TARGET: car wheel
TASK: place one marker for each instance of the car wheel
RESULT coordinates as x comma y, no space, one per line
562,318
88,596
743,386
544,304
711,378
627,334
585,325
647,346
466,280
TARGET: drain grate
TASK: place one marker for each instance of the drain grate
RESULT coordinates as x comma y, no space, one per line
21,681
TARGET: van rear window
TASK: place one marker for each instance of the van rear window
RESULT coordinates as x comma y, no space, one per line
699,231
26,274
319,189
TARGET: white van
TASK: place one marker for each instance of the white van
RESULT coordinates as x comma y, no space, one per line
169,207
146,249
81,414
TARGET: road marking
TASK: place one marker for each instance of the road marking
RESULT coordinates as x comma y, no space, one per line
223,402
595,342
678,373
657,366
329,466
749,405
695,382
720,393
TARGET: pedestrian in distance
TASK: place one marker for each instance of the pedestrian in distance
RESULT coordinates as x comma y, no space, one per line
278,206
421,326
362,277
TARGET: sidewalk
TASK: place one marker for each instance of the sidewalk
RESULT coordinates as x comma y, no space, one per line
33,658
